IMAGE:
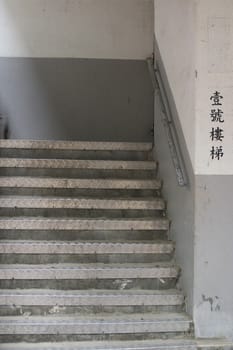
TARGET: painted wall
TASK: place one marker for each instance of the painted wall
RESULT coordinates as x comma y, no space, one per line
175,35
77,99
180,200
211,52
215,73
113,29
75,69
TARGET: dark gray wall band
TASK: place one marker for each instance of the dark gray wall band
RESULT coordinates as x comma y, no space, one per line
76,99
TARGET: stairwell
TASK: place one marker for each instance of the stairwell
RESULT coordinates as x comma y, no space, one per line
86,262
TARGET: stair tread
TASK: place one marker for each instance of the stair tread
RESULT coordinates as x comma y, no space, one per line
95,183
40,223
81,202
76,145
84,247
77,164
119,318
90,266
163,344
89,271
89,292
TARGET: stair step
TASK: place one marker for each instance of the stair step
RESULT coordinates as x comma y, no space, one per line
82,203
35,223
40,182
77,164
117,324
36,297
89,247
76,145
156,344
88,271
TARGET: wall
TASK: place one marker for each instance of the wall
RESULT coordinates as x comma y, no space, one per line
182,215
75,69
175,35
207,201
213,293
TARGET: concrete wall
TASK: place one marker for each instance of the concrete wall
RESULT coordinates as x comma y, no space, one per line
76,99
207,202
175,35
117,29
76,69
180,200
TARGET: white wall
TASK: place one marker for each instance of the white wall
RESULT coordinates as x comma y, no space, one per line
175,34
195,38
215,72
119,29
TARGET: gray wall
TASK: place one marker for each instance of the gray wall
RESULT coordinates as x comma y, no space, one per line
213,292
180,200
76,99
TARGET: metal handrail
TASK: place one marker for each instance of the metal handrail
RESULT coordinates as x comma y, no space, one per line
168,122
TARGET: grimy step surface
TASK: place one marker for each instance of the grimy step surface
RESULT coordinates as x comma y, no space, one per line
88,271
117,324
81,203
89,247
35,223
90,297
77,164
42,182
76,145
156,344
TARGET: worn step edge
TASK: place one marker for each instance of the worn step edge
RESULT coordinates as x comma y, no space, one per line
156,344
76,145
90,247
77,164
34,223
81,203
90,297
88,271
41,182
214,343
137,323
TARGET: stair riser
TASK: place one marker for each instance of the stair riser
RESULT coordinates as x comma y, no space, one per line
75,192
92,337
82,258
82,235
19,310
72,154
118,284
85,213
79,173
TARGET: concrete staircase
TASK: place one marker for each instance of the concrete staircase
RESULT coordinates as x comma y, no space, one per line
85,258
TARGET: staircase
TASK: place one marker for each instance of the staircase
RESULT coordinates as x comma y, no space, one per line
85,258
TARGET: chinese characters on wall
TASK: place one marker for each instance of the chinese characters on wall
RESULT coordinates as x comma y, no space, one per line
217,130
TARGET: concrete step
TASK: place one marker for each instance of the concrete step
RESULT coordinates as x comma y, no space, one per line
36,223
82,203
77,164
50,252
101,324
73,168
88,271
90,298
76,145
75,150
156,344
67,183
81,207
89,247
47,252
